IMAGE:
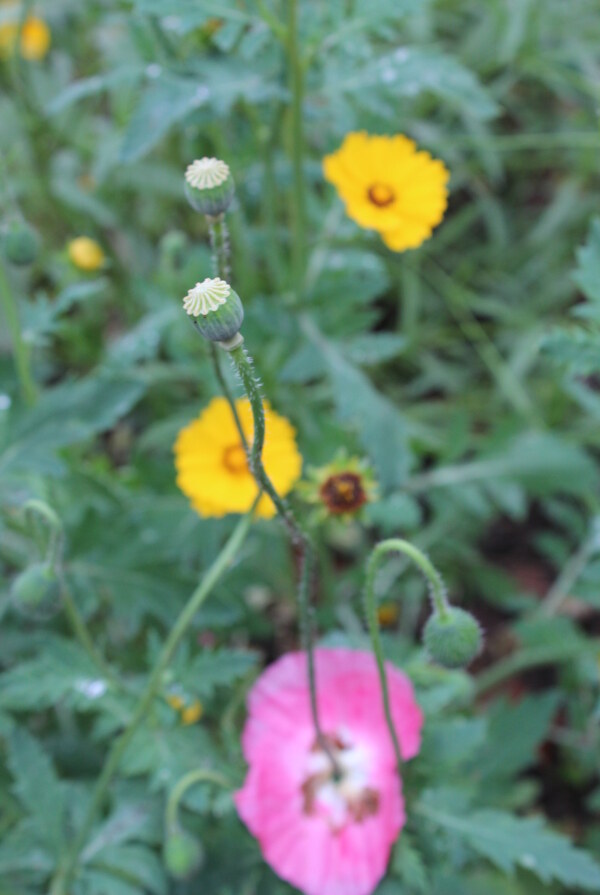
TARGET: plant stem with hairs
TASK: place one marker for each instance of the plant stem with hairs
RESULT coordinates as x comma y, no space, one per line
62,879
243,365
437,592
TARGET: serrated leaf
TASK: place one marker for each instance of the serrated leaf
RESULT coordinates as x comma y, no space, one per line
37,788
69,413
217,668
409,71
61,670
511,842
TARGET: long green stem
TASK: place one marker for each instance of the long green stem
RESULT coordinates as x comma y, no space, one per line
61,882
244,366
298,205
21,350
220,246
439,600
199,775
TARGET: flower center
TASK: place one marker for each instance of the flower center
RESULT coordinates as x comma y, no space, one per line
343,492
381,195
235,460
339,799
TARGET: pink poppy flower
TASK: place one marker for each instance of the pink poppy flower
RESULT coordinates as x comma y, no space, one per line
326,836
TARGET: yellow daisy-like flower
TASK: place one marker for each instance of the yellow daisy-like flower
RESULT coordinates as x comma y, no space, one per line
389,186
212,469
35,39
85,253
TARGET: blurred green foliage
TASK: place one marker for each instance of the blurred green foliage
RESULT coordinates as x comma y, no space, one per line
466,371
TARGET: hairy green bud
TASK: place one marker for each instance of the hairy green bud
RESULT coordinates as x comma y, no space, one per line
452,638
217,310
20,243
182,854
209,186
36,584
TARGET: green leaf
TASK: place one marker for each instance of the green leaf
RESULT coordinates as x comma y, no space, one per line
67,414
511,842
409,71
37,788
134,864
61,670
217,668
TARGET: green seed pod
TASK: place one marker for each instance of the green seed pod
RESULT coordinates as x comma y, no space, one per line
217,310
182,854
452,639
209,186
36,584
20,243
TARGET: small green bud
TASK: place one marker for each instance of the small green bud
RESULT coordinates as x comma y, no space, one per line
217,310
182,854
452,639
20,243
209,186
36,584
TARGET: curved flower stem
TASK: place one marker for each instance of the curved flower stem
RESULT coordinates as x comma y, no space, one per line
298,205
61,882
199,775
54,556
243,364
437,592
20,348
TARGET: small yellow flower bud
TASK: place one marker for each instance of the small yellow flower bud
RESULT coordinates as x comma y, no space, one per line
34,43
192,713
85,253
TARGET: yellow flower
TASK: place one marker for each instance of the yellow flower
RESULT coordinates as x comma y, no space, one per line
192,713
35,39
85,253
389,186
175,701
212,469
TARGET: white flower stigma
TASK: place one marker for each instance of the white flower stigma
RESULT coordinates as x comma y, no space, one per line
206,296
207,173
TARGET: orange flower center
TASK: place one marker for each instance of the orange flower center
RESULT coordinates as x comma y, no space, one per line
235,460
343,493
381,195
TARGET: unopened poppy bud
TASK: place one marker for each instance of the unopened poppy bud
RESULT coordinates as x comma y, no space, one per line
209,186
182,853
20,243
217,310
452,638
36,584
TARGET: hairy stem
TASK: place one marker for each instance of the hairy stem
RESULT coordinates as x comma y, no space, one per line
62,879
298,204
243,364
437,592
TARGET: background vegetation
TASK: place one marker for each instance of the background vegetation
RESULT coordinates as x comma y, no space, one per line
466,371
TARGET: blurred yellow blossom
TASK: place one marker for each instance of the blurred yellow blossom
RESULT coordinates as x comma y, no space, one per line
85,253
35,38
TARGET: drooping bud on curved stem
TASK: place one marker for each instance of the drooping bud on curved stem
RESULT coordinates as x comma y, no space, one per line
183,853
452,636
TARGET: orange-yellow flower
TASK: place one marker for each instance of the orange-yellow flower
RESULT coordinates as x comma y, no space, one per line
389,186
35,38
85,253
212,469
